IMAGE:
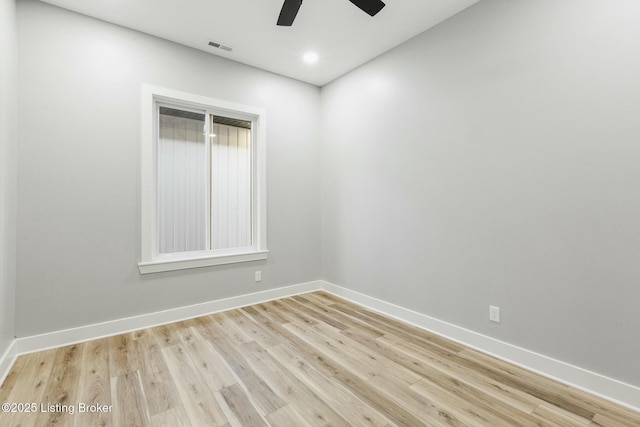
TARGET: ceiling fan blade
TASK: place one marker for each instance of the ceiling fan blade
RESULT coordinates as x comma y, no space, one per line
288,12
370,6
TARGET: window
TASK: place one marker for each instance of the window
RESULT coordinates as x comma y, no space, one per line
203,182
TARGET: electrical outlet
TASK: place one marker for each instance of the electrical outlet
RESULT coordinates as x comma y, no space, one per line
258,276
494,314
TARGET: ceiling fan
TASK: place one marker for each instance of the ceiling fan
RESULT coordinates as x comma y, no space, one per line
290,9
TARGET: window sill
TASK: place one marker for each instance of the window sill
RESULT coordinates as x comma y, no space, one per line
159,266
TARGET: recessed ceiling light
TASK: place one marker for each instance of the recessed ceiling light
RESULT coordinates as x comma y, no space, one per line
310,57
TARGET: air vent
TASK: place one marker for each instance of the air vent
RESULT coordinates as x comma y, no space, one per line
220,46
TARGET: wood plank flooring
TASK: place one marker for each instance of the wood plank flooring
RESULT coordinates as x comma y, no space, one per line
309,360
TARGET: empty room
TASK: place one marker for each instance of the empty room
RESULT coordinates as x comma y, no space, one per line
320,213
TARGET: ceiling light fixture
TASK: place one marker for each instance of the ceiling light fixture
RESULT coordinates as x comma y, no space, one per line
310,57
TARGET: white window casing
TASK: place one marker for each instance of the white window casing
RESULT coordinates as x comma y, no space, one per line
196,207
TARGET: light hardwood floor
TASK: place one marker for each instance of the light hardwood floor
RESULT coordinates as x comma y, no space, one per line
309,360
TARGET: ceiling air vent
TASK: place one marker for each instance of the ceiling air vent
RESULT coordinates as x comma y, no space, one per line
220,46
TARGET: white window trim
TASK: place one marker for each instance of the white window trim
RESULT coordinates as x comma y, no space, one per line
151,261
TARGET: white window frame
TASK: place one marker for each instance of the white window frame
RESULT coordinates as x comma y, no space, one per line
153,262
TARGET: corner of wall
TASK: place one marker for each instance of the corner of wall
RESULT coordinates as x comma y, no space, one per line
8,177
7,359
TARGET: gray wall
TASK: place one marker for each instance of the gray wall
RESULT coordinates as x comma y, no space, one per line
8,173
491,160
495,160
78,165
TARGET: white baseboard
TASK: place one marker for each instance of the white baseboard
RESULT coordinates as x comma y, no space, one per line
599,385
610,389
6,360
114,327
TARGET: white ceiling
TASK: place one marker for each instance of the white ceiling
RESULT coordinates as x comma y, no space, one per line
343,36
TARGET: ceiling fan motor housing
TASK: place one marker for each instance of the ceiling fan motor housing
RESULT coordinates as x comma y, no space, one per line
290,9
